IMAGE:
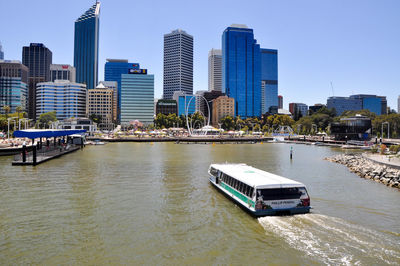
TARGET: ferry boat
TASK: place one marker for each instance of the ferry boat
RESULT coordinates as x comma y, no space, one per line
259,192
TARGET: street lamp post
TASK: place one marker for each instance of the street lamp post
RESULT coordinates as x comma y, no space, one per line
388,125
314,125
8,125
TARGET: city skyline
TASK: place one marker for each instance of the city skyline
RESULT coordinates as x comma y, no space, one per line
356,52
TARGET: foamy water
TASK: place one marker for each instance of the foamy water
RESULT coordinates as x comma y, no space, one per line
335,241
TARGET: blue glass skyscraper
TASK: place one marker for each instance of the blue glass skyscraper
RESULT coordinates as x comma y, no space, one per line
241,70
86,47
269,79
113,70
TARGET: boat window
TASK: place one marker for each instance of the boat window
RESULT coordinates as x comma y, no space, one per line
213,171
250,194
241,187
246,190
279,193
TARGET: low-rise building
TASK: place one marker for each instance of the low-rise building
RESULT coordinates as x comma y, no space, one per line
66,98
13,85
78,123
315,107
298,109
357,127
373,103
186,102
166,107
204,97
100,103
222,106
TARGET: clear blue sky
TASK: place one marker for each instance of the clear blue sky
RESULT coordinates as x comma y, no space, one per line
355,44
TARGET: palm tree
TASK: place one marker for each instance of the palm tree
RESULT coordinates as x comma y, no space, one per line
6,110
18,110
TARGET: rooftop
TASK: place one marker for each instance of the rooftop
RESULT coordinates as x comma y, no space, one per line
241,26
92,12
117,60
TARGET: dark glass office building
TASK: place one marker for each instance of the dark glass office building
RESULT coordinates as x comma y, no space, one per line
352,128
113,70
38,59
209,96
241,70
86,47
269,80
166,107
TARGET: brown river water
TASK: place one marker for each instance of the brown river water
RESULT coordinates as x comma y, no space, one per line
145,203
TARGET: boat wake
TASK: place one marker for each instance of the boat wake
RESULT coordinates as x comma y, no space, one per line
334,241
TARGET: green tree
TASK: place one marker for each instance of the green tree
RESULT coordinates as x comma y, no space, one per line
3,123
46,118
363,112
95,118
239,123
227,123
160,121
196,120
7,110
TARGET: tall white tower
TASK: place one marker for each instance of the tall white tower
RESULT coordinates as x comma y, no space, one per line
178,63
398,105
215,70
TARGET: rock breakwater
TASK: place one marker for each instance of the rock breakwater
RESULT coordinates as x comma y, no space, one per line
368,169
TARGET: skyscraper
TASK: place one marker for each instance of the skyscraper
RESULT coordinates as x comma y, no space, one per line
113,70
1,52
137,97
398,105
37,58
215,70
241,70
178,63
86,47
13,85
269,79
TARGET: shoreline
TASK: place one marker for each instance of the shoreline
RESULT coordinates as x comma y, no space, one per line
369,169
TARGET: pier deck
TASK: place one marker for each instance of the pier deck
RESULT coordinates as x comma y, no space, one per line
43,156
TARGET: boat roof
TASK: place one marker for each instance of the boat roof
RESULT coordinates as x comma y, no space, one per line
255,177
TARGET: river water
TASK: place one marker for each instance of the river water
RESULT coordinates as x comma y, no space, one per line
144,203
